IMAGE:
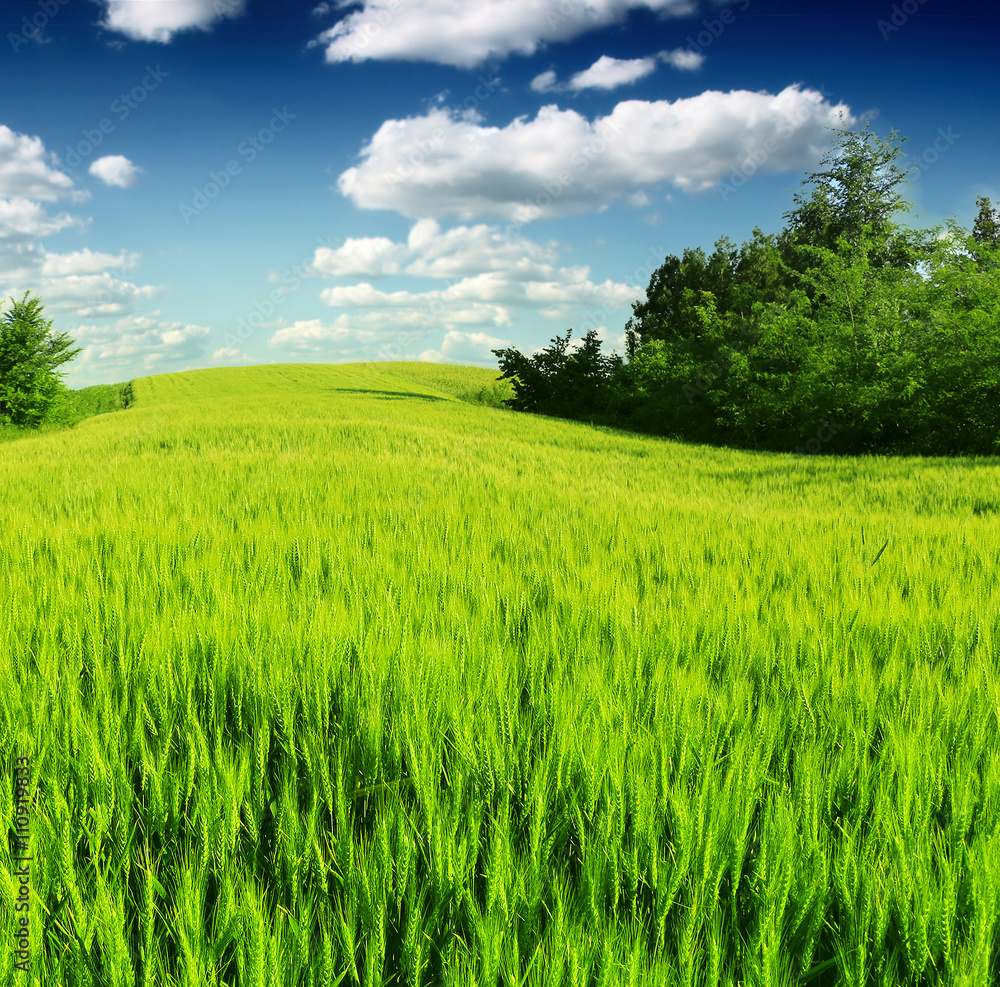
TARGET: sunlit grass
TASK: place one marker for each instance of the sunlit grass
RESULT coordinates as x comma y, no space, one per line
328,674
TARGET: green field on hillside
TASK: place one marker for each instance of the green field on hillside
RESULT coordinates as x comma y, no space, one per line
328,677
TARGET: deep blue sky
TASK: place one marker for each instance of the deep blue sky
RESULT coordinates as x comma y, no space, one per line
467,175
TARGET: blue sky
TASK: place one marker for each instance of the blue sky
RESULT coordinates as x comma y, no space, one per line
198,183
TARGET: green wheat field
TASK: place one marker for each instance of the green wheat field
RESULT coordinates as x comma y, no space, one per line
330,677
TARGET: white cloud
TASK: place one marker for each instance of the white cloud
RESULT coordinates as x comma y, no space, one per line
429,252
23,222
160,20
683,59
116,169
85,262
80,283
96,295
609,73
497,278
465,347
560,163
544,82
467,33
136,342
371,257
25,169
316,336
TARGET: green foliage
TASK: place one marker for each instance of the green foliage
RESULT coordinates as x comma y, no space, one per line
31,387
322,670
100,399
559,381
845,324
856,197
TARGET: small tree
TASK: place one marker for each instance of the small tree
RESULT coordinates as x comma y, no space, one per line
30,355
858,196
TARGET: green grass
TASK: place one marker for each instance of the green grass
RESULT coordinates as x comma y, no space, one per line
74,407
330,677
100,399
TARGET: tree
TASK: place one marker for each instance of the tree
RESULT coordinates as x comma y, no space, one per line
985,231
30,355
857,196
557,381
846,321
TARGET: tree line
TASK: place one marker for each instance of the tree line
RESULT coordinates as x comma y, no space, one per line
847,331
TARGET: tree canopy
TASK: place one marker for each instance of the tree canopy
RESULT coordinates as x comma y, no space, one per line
31,353
846,331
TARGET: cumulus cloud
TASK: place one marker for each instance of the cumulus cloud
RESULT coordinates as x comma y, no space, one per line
544,82
316,336
467,33
371,257
93,295
560,163
160,20
83,283
116,169
85,261
429,252
26,169
610,73
145,342
493,278
23,222
464,347
490,280
683,59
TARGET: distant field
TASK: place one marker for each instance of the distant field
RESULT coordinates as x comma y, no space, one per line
328,677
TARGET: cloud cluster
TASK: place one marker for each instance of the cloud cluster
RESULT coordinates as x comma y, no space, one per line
467,33
81,283
145,342
609,73
560,163
27,171
493,279
160,20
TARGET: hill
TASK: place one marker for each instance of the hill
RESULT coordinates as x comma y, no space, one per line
322,672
